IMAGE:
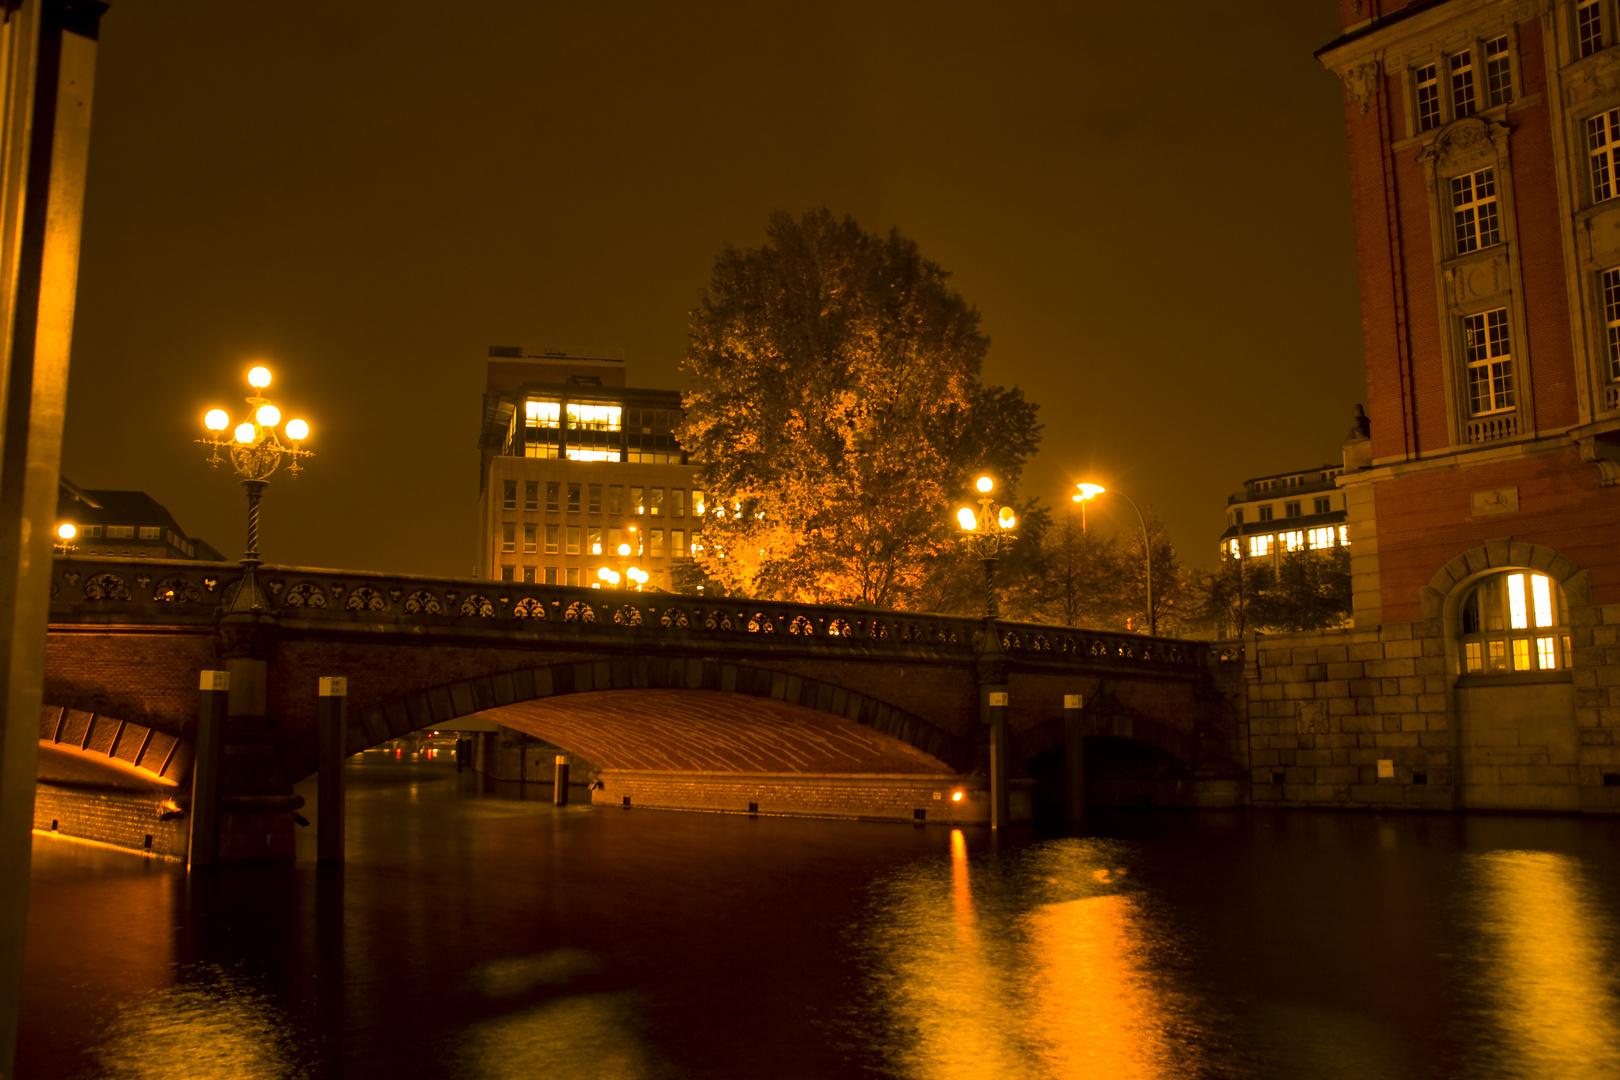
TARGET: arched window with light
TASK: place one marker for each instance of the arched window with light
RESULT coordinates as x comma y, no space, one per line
1514,621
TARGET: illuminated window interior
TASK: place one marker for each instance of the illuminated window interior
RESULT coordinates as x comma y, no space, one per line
1514,621
1322,537
594,417
545,414
1259,545
1293,541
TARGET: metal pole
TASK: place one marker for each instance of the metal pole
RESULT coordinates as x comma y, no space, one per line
1000,805
214,695
1147,549
1074,757
47,75
255,491
334,695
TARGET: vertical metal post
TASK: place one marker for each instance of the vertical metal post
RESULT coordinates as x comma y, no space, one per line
47,75
1074,757
1000,805
214,694
559,790
334,713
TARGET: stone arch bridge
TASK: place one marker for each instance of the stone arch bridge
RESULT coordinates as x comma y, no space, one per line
680,700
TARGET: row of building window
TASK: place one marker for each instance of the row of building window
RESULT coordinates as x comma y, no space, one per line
594,540
650,501
1321,505
1433,109
543,413
1514,622
141,532
1297,480
1293,540
570,575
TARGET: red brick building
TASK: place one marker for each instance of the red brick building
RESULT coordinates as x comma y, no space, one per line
1484,516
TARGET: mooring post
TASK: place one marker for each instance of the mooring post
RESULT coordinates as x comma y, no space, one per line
202,847
559,789
1074,757
1000,805
334,694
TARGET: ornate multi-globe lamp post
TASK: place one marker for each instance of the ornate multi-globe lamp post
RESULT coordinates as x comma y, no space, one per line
624,574
988,534
255,452
1091,491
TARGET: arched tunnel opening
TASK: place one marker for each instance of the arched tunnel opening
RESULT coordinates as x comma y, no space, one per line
1119,772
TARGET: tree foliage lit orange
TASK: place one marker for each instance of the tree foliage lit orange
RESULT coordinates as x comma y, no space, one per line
837,410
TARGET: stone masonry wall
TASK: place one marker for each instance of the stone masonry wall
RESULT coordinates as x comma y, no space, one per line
125,819
868,797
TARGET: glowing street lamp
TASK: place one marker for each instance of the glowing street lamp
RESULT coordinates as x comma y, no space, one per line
255,451
986,534
1091,491
65,532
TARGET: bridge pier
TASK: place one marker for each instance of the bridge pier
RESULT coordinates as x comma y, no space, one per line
1074,758
202,847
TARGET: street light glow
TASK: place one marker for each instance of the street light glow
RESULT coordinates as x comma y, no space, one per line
297,430
624,549
66,530
268,416
244,434
216,420
260,377
967,519
1005,518
985,484
1088,491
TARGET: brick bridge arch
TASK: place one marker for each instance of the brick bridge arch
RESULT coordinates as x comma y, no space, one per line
658,712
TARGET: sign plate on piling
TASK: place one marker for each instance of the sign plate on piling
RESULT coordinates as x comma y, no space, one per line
334,686
1073,701
998,698
215,680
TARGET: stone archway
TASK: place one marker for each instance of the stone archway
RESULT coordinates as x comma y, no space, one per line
1515,740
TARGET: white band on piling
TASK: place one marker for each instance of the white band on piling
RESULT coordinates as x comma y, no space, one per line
215,680
562,759
334,686
998,698
1073,701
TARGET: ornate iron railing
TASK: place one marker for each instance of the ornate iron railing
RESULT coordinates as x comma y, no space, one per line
99,589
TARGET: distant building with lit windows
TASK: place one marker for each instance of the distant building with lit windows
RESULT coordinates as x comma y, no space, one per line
573,465
126,524
1286,512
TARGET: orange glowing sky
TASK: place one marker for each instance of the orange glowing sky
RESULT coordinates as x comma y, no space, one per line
1147,203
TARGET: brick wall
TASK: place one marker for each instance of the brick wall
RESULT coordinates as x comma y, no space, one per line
125,819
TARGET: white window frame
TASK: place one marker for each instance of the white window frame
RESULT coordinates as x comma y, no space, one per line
1426,91
1589,30
1476,219
1483,334
1603,155
1609,287
1464,95
1497,53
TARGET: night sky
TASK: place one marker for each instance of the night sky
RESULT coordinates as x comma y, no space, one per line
1147,203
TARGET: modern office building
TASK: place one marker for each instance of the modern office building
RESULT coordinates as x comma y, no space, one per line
1286,512
126,524
573,465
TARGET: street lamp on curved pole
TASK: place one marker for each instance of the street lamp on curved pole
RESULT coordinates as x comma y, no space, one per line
1091,491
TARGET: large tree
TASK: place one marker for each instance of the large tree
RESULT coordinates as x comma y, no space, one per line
837,413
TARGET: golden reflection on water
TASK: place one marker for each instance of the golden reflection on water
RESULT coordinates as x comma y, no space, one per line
1036,966
1549,992
582,1036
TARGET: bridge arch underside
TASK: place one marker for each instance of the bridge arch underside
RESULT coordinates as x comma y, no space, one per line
711,731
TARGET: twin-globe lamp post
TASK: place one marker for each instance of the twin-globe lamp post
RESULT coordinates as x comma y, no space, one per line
255,452
632,573
1091,491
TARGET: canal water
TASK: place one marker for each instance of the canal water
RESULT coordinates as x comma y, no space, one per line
473,934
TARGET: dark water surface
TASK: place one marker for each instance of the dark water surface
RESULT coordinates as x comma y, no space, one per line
472,935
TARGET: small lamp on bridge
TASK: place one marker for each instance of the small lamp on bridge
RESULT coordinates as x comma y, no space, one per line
65,532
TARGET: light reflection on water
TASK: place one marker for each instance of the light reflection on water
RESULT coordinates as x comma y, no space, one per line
472,936
1551,1003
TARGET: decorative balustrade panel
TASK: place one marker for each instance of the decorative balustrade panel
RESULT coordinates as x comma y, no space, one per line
1493,428
156,590
1611,396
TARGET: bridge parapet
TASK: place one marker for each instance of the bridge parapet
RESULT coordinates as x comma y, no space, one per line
170,592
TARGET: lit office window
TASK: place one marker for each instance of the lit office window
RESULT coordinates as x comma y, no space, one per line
1514,621
551,539
657,543
573,540
543,414
508,536
531,494
1293,541
1260,545
528,539
677,502
573,575
552,488
655,501
637,504
615,538
509,494
677,542
587,453
698,506
595,504
594,417
593,539
1322,538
